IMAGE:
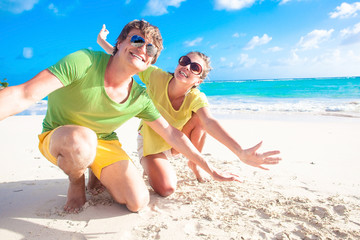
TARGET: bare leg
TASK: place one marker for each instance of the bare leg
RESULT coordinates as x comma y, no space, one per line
162,176
126,185
75,149
94,185
197,135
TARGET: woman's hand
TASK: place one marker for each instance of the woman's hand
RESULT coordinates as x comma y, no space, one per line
225,176
252,158
103,33
101,40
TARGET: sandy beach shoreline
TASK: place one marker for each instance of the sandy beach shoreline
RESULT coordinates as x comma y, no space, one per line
314,193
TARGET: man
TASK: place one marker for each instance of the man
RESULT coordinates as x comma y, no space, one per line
90,94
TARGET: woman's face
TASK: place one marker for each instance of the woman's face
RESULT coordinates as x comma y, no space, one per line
190,74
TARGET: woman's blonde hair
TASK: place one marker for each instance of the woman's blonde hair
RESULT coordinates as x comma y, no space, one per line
207,68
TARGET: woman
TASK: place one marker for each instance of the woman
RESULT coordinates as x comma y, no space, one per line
186,108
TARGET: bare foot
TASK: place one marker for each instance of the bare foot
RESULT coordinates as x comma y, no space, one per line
200,174
94,186
76,196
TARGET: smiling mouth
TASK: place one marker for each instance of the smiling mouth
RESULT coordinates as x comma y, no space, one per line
138,57
183,73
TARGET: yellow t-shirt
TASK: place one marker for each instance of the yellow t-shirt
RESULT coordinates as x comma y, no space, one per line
157,82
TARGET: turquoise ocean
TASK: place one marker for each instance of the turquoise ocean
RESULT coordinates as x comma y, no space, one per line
338,96
326,96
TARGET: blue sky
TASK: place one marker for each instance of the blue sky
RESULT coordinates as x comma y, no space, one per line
246,39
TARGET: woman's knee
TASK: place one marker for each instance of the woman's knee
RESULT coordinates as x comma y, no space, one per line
161,174
166,190
164,186
194,126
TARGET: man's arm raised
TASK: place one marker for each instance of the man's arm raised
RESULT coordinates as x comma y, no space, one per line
15,99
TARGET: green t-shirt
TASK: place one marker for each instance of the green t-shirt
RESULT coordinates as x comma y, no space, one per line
83,100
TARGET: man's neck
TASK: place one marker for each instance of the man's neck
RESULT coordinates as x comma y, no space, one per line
118,80
117,74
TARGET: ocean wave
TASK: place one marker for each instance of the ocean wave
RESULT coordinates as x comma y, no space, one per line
38,108
232,105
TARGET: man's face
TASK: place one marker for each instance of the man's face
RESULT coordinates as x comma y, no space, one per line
137,56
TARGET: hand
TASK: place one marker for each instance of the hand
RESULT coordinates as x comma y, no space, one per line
252,158
103,33
224,177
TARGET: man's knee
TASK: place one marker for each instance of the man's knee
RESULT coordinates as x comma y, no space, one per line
139,203
126,185
75,146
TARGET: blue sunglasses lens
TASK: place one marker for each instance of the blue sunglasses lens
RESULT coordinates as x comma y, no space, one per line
138,41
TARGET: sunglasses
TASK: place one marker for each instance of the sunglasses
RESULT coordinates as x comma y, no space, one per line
194,66
138,41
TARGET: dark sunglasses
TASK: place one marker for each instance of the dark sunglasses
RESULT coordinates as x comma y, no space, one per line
194,66
138,41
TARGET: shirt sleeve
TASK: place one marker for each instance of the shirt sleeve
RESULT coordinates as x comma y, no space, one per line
199,102
145,75
149,112
72,67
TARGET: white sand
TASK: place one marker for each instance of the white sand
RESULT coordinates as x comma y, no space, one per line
313,194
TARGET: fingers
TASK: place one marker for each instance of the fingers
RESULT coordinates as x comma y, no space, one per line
234,179
271,160
229,177
257,146
266,154
232,174
263,168
104,30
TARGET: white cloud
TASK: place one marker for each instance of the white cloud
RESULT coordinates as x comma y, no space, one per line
222,59
351,35
28,52
63,8
348,31
237,35
53,9
159,7
274,49
233,4
314,38
332,62
17,6
194,42
346,10
257,41
245,61
284,1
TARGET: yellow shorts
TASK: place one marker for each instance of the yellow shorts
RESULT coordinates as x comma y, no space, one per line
107,152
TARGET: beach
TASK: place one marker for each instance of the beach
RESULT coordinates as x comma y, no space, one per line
314,193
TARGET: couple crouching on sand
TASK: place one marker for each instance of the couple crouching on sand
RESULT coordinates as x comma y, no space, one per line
91,94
